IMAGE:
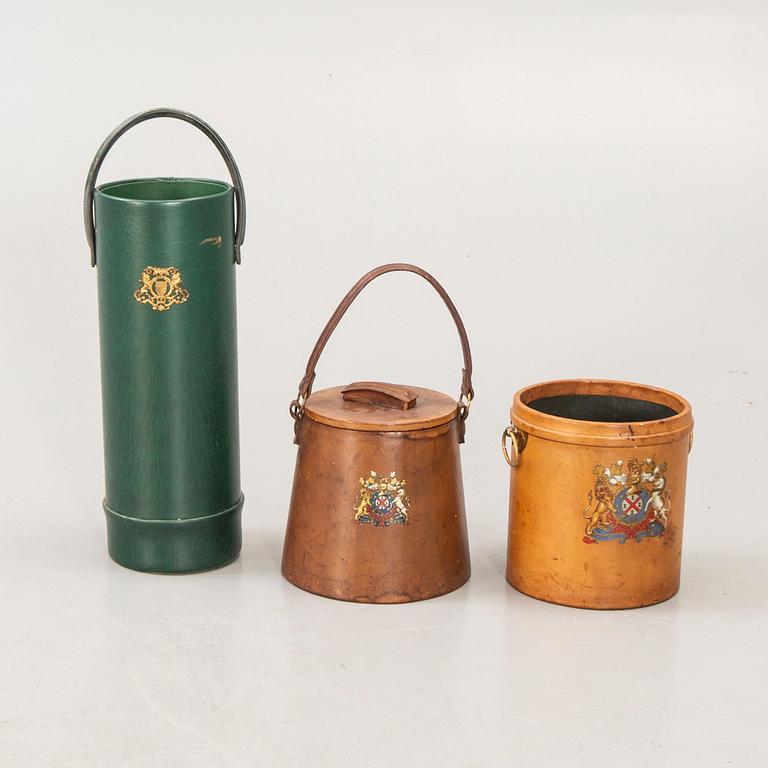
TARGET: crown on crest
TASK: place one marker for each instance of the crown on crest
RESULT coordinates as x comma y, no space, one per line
376,482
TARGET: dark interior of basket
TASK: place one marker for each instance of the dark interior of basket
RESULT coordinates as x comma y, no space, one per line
601,408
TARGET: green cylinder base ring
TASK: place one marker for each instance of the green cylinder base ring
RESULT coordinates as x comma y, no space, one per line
175,546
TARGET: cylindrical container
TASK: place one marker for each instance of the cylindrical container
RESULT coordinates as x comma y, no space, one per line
165,251
597,492
377,509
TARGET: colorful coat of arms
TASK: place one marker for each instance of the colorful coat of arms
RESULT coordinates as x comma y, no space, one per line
382,500
629,501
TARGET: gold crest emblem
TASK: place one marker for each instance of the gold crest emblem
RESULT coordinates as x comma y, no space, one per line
161,288
382,500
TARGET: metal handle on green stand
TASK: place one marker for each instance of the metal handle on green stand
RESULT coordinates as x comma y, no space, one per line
178,114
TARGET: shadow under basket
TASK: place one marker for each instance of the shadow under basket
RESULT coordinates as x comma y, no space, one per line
597,492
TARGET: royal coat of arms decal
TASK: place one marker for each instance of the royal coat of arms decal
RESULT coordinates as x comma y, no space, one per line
629,501
382,500
161,288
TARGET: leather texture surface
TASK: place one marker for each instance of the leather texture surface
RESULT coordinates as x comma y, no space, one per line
169,378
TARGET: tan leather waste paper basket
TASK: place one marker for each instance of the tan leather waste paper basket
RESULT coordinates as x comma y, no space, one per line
597,492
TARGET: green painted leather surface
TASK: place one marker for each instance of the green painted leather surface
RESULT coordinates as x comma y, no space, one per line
169,379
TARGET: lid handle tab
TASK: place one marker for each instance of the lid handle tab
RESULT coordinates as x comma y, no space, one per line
379,393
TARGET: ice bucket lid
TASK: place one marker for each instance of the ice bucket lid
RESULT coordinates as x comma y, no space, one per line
380,407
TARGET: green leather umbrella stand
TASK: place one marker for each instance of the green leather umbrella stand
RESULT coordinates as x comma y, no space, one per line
165,251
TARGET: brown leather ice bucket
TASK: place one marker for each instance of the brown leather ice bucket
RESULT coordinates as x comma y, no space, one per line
597,492
377,509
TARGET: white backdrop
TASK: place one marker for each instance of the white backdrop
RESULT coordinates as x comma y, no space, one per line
587,180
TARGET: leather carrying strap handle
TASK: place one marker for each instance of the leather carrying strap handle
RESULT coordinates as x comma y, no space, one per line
187,117
305,385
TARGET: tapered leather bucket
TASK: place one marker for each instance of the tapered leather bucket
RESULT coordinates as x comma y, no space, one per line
377,509
165,250
597,493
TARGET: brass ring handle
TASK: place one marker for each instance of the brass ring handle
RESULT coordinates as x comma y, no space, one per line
517,439
187,117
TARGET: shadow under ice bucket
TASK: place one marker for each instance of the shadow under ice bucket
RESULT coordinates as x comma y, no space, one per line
165,251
